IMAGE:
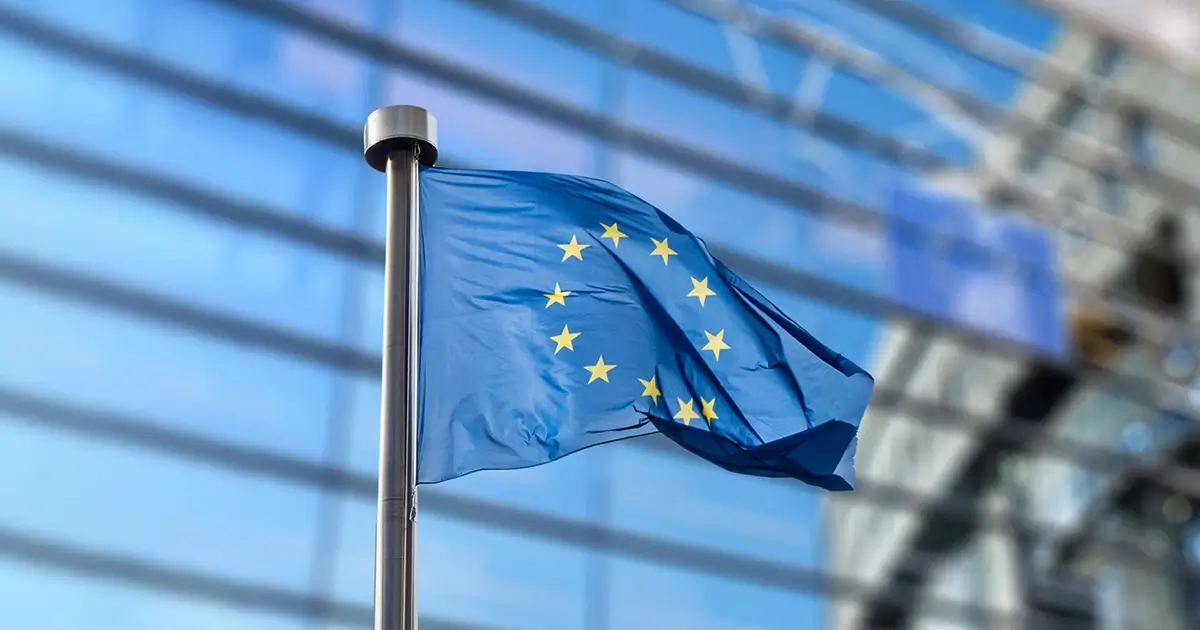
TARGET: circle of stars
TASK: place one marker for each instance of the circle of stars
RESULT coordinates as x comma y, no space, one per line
715,342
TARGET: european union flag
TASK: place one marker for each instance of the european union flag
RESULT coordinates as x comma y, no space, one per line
562,312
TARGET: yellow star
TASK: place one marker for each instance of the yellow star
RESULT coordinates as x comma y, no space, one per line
599,371
707,409
558,297
716,343
686,412
650,388
700,290
573,249
564,340
611,231
660,249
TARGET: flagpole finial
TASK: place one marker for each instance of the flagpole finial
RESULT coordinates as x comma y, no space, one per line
399,127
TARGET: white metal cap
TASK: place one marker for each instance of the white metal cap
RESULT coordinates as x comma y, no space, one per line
399,127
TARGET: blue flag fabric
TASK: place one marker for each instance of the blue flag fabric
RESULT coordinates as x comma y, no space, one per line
562,312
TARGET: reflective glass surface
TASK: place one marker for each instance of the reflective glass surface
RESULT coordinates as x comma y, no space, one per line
191,299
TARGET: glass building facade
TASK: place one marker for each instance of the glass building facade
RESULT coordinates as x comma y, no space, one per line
1085,517
191,297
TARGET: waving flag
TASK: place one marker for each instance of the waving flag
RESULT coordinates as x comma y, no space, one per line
562,312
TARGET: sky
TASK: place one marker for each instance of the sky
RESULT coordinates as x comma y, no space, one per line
181,513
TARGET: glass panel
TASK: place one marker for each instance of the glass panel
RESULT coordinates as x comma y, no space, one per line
593,12
488,136
682,498
336,625
131,123
359,13
1107,56
160,508
1061,489
679,32
374,200
1153,599
495,45
1141,139
96,601
647,597
1112,193
703,42
915,51
716,127
245,158
866,537
119,22
262,56
97,360
1111,593
107,232
958,581
370,283
471,574
884,111
1032,26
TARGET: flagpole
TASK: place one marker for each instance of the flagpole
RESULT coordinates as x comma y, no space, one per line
396,141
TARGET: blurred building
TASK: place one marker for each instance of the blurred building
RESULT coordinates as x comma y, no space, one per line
190,313
191,309
1032,532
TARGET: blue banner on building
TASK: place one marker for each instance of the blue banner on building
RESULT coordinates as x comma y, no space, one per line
996,273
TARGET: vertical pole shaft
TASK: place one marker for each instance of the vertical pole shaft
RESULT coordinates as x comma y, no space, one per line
395,532
398,140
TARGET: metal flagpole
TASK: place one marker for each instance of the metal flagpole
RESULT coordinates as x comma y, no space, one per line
396,141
